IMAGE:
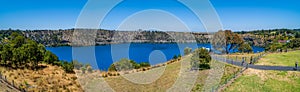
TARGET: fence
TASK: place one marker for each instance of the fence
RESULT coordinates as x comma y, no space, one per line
12,84
229,80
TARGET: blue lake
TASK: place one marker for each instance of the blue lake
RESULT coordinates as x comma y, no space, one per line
105,55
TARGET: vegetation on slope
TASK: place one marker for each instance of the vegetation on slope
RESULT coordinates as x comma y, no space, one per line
30,66
270,80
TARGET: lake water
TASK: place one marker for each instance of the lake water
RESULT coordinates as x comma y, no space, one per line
105,55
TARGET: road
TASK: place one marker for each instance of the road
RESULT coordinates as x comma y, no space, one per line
259,67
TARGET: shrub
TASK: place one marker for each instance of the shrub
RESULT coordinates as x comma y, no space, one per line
200,59
68,67
145,64
89,69
83,69
112,68
187,50
77,65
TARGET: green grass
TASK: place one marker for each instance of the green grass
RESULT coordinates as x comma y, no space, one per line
285,59
270,81
254,83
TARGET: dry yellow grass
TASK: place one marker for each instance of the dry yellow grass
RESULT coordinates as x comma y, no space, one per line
94,81
51,78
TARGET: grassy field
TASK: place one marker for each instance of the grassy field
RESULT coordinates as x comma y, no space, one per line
283,59
49,78
239,56
163,83
270,81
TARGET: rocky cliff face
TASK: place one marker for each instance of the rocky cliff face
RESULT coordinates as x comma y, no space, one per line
66,37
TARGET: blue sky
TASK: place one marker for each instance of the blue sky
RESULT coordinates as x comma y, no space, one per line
234,14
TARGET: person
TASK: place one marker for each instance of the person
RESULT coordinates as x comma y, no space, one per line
296,65
243,60
251,60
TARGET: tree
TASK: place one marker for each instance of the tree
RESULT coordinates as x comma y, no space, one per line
274,47
233,40
32,52
200,59
245,47
187,50
295,43
218,42
6,53
50,58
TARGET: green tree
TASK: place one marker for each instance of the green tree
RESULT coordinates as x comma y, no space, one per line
200,59
245,47
17,41
50,58
6,53
295,43
233,40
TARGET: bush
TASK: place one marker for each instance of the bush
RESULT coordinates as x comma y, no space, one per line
145,64
50,58
126,64
187,50
295,43
68,67
200,59
175,57
112,68
89,69
77,65
83,69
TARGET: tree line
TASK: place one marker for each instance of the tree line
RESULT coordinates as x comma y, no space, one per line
18,51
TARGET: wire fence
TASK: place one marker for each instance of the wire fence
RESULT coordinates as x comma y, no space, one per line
239,62
11,84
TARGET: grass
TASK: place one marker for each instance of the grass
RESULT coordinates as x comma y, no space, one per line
254,80
239,56
163,83
49,78
267,81
283,59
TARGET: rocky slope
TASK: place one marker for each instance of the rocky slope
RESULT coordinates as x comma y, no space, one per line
65,37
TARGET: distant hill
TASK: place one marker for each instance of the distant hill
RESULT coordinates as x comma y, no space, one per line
64,37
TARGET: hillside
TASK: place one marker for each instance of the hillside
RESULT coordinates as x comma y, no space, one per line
49,78
166,80
64,37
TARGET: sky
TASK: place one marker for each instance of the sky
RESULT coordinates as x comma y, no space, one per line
236,15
